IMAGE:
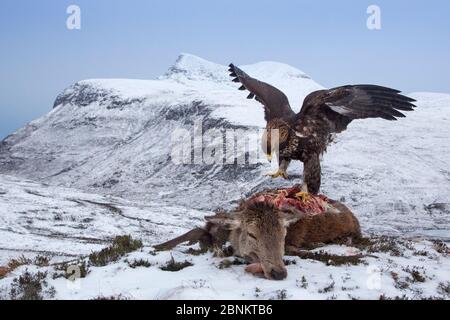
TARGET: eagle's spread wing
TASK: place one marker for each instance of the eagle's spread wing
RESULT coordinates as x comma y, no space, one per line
276,104
343,104
325,112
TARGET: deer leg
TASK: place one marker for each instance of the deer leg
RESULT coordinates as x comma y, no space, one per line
192,236
291,251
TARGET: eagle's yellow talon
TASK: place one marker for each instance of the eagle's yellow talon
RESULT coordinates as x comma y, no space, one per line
303,196
274,175
279,173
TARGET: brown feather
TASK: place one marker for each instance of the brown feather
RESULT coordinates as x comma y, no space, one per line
275,102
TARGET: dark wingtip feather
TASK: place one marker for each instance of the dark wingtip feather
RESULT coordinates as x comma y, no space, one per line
236,80
242,88
372,87
233,74
388,117
406,98
250,96
390,98
396,113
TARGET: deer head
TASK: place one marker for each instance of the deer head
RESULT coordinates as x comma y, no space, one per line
257,233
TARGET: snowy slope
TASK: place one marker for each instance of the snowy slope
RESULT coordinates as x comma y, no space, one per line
397,174
60,222
67,225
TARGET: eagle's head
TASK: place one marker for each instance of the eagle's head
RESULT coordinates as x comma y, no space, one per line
275,137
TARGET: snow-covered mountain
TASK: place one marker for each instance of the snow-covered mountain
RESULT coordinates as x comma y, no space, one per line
113,136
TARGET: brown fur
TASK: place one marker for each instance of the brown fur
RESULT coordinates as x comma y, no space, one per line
324,228
260,233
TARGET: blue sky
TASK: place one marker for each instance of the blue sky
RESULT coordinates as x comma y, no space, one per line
39,56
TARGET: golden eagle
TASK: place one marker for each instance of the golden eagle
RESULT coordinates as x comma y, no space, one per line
304,136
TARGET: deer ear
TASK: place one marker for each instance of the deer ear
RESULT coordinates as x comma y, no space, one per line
289,218
227,221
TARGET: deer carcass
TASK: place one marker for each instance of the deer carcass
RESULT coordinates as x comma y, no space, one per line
269,224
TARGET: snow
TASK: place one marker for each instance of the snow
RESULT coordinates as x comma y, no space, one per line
64,224
98,165
75,222
205,281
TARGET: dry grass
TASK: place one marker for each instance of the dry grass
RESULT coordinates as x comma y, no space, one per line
29,286
227,263
330,259
3,272
18,262
139,263
120,246
13,264
174,266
